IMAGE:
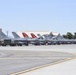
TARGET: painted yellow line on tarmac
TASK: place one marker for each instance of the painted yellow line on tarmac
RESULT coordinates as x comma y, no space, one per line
46,65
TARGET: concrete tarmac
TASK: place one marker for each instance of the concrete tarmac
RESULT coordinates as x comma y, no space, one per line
16,59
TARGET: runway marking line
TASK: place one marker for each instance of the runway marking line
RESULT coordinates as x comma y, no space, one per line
46,65
31,56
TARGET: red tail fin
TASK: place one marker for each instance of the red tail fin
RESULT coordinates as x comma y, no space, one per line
25,35
33,35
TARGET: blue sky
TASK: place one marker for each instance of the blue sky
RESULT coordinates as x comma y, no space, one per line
38,15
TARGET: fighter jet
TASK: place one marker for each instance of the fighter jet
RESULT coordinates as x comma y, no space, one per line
58,39
34,39
26,38
4,39
19,40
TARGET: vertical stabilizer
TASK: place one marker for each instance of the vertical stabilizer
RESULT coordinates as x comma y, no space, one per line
15,35
25,35
33,35
2,35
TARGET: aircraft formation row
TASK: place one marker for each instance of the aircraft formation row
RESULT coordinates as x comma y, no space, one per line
46,39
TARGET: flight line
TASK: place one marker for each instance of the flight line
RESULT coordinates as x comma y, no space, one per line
45,39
